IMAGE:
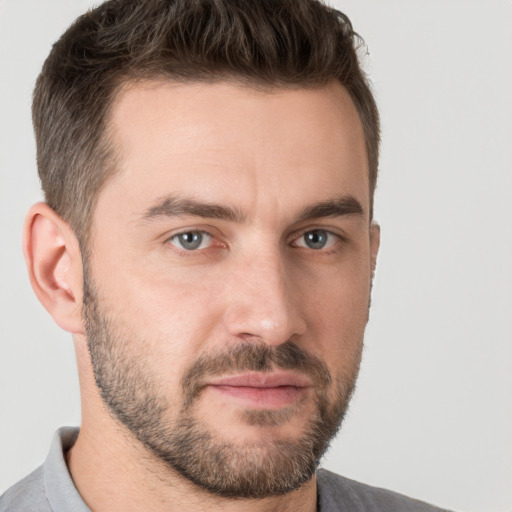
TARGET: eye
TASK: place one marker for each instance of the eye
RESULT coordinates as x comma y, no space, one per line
316,239
191,240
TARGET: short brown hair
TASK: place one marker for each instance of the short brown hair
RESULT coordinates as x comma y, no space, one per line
269,43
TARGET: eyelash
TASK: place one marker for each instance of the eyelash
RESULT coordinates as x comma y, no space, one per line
333,241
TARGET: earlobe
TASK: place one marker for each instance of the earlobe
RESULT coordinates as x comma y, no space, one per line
54,264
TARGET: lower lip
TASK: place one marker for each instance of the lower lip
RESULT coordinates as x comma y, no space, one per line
276,397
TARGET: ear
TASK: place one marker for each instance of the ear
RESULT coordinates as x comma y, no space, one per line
54,263
374,244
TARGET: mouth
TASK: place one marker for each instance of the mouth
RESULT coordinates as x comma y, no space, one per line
262,390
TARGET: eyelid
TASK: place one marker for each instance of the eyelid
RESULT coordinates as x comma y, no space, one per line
194,228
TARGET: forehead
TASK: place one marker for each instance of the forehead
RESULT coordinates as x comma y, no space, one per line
236,145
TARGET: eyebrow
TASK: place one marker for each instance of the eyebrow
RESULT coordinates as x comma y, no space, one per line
337,207
174,206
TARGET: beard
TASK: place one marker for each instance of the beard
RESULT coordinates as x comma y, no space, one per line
192,448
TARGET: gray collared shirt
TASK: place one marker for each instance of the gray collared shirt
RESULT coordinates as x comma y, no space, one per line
49,488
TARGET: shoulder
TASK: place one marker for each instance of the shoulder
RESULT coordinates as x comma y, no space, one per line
27,494
337,493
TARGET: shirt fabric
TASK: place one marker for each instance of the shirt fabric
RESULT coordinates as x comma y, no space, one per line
50,489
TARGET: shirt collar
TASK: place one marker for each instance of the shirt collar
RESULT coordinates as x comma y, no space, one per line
60,489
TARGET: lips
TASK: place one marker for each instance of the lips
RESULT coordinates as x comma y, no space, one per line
262,390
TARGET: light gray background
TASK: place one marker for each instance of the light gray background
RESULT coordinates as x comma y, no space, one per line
432,417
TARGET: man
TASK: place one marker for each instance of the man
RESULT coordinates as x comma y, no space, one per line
207,238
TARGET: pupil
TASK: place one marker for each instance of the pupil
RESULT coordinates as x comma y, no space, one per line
316,239
191,240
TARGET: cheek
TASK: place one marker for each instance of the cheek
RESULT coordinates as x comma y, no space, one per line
165,318
338,316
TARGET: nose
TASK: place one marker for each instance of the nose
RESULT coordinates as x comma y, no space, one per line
263,301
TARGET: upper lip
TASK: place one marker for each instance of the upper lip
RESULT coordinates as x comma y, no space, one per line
262,380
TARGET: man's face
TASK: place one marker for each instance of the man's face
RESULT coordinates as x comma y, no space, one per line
229,279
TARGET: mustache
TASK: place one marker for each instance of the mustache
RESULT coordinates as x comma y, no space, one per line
253,357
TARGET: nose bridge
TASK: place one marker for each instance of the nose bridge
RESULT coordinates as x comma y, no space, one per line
264,307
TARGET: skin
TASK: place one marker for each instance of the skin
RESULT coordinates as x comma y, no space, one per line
268,156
